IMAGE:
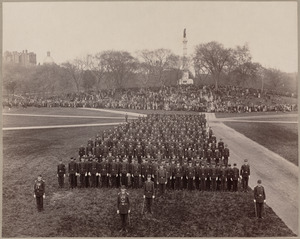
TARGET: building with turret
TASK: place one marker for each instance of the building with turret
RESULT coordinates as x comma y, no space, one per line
23,58
48,59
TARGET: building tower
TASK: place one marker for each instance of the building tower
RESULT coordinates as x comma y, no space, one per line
48,59
185,69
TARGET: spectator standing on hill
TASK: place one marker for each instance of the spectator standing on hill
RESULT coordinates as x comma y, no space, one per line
61,173
39,192
245,175
259,198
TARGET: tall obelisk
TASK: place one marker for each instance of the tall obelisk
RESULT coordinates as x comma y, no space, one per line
185,70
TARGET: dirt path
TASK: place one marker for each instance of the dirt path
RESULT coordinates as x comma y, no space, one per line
279,176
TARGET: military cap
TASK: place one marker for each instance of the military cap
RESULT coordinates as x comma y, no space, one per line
72,158
123,187
259,181
229,164
234,164
246,160
148,175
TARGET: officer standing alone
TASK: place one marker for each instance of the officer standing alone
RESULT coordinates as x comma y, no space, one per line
39,192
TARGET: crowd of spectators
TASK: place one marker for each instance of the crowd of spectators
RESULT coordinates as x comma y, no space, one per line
178,98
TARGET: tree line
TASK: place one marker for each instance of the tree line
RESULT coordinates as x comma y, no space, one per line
210,63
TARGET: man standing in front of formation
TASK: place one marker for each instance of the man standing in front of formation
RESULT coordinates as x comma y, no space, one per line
149,193
259,198
39,192
61,173
123,207
245,174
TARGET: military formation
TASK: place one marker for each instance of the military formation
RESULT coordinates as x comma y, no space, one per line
179,152
156,153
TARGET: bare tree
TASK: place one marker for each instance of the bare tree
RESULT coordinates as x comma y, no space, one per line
154,63
76,70
212,58
118,65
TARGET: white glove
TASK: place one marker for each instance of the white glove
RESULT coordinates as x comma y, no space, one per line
117,175
57,175
153,196
139,175
264,200
34,195
128,211
157,183
181,177
85,174
144,196
118,211
44,196
64,175
171,178
132,175
254,200
165,182
90,174
107,174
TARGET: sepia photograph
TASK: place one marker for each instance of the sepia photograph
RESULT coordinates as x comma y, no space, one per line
150,119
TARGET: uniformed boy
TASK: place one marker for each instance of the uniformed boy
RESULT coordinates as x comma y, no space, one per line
259,198
39,192
149,193
61,173
123,207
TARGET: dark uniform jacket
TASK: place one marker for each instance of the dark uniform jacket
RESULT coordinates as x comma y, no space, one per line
245,170
73,167
103,168
190,172
203,172
82,167
39,188
259,194
94,167
235,174
149,189
161,176
114,168
178,171
136,169
61,169
123,203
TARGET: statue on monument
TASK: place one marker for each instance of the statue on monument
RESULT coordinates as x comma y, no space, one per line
184,33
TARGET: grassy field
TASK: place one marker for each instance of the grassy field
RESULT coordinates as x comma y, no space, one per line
61,111
14,121
279,138
264,114
92,212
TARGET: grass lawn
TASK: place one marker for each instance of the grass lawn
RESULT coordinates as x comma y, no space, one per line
279,138
60,111
271,114
92,212
18,121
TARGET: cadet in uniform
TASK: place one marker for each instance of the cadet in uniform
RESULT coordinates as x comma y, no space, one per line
94,173
123,207
39,192
259,198
149,193
73,170
229,174
178,176
61,173
235,177
245,174
162,179
190,175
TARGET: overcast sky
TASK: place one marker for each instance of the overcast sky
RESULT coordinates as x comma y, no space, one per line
73,29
